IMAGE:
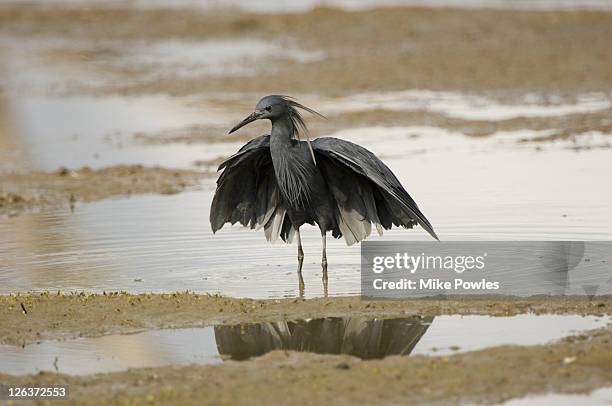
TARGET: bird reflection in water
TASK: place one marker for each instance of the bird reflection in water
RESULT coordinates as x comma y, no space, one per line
361,337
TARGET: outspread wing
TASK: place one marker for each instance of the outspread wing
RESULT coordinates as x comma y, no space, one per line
366,190
247,192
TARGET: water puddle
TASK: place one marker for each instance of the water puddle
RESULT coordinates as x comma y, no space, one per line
365,338
601,396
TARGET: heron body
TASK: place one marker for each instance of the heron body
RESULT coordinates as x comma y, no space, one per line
305,194
280,183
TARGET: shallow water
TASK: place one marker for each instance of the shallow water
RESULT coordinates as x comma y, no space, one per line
491,188
361,337
91,131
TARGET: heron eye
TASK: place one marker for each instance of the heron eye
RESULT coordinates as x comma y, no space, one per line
268,108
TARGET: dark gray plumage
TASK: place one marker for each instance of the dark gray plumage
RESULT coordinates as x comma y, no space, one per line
357,336
280,183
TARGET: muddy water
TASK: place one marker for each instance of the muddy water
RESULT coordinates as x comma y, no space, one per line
361,337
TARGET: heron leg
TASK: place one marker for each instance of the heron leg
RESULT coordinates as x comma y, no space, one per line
324,265
300,257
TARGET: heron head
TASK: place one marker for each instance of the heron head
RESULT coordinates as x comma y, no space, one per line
276,106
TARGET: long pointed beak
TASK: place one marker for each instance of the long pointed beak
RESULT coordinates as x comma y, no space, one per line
254,116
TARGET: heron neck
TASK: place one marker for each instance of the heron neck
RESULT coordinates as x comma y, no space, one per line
282,130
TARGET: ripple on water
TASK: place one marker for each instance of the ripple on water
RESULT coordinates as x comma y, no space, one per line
164,243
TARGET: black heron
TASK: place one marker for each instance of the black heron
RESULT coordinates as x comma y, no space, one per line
280,183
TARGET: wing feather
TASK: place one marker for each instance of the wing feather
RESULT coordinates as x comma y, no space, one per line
362,182
247,192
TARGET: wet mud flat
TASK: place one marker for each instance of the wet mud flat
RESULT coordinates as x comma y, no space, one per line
52,316
374,49
578,363
37,190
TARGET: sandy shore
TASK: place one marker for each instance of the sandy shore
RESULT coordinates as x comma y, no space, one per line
576,364
53,316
